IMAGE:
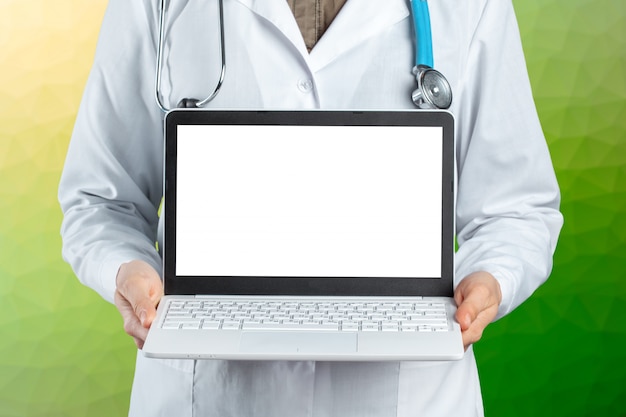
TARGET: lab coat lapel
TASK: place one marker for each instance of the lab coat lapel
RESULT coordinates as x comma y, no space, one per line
357,21
278,13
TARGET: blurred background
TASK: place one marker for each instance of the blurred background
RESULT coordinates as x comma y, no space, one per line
562,353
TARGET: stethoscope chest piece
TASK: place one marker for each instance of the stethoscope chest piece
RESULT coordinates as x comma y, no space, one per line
433,90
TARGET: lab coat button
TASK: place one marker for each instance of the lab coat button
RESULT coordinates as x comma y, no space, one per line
305,86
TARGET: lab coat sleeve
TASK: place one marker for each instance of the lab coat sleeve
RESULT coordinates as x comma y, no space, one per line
111,184
508,217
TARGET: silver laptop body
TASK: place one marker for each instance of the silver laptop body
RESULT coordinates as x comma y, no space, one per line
308,235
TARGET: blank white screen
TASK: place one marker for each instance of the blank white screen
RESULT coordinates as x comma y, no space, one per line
342,201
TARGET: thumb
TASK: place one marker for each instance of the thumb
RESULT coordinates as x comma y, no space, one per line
141,286
145,310
477,295
472,298
467,311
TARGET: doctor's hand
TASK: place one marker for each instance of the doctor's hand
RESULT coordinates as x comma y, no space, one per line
139,290
478,297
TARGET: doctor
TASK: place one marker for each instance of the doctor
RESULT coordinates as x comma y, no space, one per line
507,208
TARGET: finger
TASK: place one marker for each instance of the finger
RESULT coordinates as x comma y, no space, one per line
478,297
132,323
140,304
474,314
470,306
145,311
475,331
141,286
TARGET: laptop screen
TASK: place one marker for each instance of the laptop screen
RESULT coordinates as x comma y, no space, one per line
327,201
321,202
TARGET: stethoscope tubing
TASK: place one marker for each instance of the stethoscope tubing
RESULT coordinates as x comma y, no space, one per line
423,34
424,60
159,63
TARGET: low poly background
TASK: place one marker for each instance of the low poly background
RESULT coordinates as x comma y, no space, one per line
562,353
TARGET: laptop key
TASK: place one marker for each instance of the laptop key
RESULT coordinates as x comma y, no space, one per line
389,327
231,325
288,326
369,326
210,325
350,327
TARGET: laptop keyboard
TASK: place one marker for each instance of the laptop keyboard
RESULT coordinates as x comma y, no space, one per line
422,316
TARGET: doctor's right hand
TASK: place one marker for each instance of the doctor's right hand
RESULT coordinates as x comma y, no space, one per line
139,290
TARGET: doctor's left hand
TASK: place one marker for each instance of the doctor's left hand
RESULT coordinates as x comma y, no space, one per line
478,297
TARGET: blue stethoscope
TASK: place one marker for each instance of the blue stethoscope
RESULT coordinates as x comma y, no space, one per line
433,90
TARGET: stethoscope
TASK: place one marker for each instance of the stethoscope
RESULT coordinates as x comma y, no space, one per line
433,90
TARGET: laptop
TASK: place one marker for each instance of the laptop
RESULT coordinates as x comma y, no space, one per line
308,235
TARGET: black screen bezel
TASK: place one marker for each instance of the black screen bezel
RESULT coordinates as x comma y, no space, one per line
309,286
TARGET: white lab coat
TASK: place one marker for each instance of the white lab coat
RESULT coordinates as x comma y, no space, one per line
507,202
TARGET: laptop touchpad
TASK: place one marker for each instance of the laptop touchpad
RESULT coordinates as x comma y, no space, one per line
297,342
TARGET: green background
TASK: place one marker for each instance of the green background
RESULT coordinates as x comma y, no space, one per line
562,353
